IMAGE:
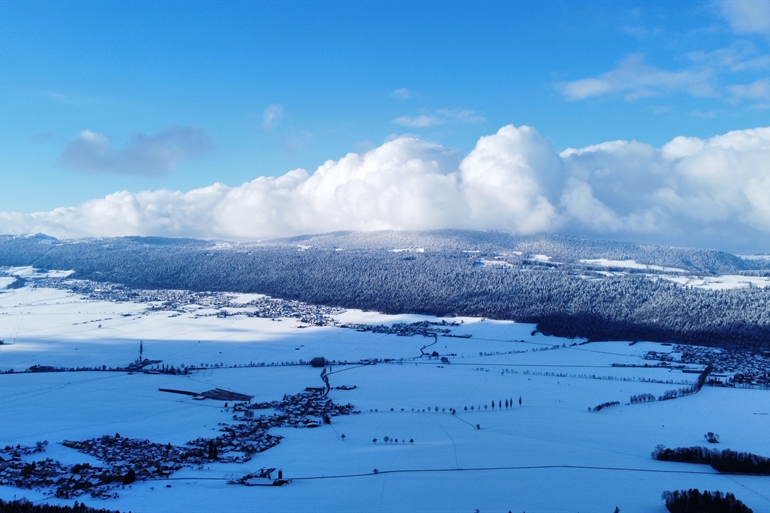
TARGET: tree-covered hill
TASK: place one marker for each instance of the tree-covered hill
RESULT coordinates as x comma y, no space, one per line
494,275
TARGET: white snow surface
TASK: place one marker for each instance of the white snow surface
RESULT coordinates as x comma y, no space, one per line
547,455
722,282
754,257
630,264
495,262
31,272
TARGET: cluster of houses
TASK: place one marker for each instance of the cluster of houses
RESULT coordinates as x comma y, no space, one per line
94,291
257,478
307,409
64,481
179,301
278,308
729,367
239,442
402,329
127,459
147,459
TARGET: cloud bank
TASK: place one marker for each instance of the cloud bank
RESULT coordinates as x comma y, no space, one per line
157,154
708,192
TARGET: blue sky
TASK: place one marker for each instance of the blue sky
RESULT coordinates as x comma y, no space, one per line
101,97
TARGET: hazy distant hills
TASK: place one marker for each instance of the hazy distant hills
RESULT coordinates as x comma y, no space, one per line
628,292
560,248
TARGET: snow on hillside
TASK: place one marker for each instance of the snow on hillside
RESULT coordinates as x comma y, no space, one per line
487,261
630,264
31,272
754,257
724,282
680,276
549,454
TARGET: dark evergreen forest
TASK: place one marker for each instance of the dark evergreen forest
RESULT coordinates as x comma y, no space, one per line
694,501
25,506
493,275
725,461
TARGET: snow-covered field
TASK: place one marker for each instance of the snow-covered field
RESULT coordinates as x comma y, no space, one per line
31,272
680,276
630,264
548,454
722,282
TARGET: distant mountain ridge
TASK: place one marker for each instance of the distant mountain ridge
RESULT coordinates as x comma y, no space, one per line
559,247
628,292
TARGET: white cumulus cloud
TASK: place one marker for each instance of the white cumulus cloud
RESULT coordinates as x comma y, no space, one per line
708,192
509,181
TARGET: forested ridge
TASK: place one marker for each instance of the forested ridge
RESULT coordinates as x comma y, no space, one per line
493,275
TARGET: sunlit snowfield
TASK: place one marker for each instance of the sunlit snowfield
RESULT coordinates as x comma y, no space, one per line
548,455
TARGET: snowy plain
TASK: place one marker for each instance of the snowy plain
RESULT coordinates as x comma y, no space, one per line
549,454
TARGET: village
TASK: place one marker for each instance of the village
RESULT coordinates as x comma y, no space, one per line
732,368
188,302
127,460
402,329
179,302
